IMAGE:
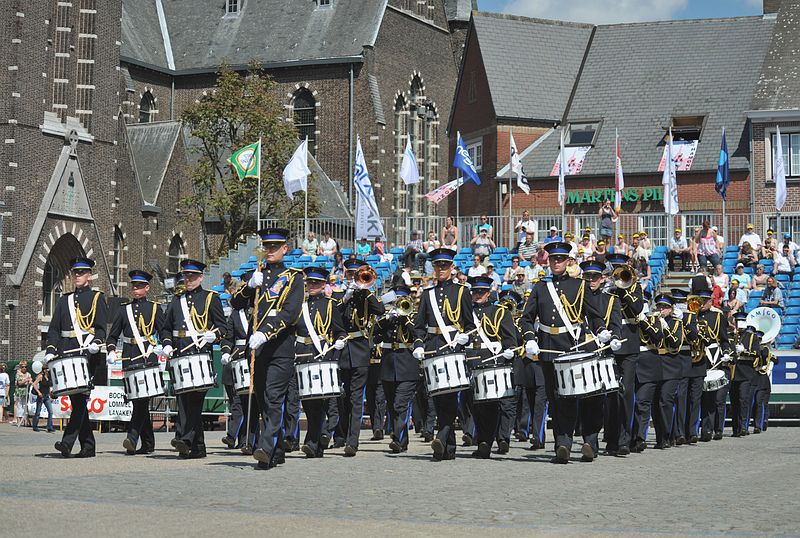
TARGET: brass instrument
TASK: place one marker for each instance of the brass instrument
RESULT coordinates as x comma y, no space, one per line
766,368
697,346
694,303
624,277
365,277
510,304
404,306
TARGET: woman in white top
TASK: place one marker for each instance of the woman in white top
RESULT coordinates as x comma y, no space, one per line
432,243
5,385
327,247
721,279
477,269
450,235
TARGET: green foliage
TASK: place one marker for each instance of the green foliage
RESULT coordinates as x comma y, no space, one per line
240,110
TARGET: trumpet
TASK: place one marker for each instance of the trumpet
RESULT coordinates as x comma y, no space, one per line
694,304
623,277
365,277
510,304
404,306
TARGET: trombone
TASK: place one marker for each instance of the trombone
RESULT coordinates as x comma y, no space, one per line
365,277
623,277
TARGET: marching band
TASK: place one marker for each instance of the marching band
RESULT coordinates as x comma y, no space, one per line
587,350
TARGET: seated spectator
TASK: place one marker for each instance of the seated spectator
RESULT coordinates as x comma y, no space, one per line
461,278
541,256
310,245
750,236
773,296
484,225
533,270
362,248
231,284
477,269
640,260
720,278
717,296
527,249
719,238
380,250
621,247
784,261
793,247
580,256
494,276
569,238
553,235
511,272
744,278
600,252
338,265
707,247
450,235
634,245
759,280
482,245
731,306
592,237
678,248
586,244
645,243
432,243
741,292
414,255
521,284
769,245
327,247
573,267
748,256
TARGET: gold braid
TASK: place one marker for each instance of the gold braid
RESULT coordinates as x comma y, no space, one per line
85,322
454,315
575,308
607,317
200,321
323,326
492,327
147,328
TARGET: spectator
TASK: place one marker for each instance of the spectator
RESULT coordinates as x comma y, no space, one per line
732,305
524,225
784,262
521,283
553,235
621,247
22,382
720,278
482,245
592,237
693,248
769,246
533,270
494,276
327,247
573,268
787,240
645,243
338,265
586,245
707,247
744,278
748,257
717,296
484,225
759,280
750,236
310,245
231,284
569,238
362,248
740,292
380,250
477,269
678,248
634,245
461,278
540,257
511,272
450,235
720,239
527,249
773,296
607,216
414,254
432,243
600,252
5,388
41,387
640,259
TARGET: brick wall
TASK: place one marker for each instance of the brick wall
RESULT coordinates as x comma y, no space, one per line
765,190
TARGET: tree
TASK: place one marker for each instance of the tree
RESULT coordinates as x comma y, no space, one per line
241,109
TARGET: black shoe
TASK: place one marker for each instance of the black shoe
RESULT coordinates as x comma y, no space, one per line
148,450
324,440
195,455
661,446
717,436
377,435
587,453
228,441
693,440
261,456
350,451
536,444
62,447
279,459
247,450
756,430
521,437
295,446
562,455
129,446
174,442
308,451
427,437
338,443
288,444
438,449
502,446
611,452
705,438
35,429
182,448
639,447
680,441
395,447
624,451
466,440
84,453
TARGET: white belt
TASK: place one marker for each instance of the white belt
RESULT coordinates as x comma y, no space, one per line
437,330
552,330
355,334
646,348
240,342
395,345
685,348
68,334
126,340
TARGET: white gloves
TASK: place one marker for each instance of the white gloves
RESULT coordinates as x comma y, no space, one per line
418,353
226,358
348,294
531,347
615,344
508,354
462,339
257,339
677,313
739,348
48,357
339,344
209,337
727,358
256,280
167,351
111,357
604,336
93,348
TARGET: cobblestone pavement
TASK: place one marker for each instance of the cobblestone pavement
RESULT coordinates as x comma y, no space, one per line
746,487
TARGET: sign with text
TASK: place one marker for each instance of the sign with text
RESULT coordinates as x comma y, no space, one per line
105,403
631,194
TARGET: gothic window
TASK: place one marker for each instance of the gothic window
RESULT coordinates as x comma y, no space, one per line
400,135
305,117
118,263
147,108
177,252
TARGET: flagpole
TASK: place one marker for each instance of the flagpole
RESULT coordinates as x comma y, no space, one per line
305,213
725,232
510,212
258,202
458,210
616,185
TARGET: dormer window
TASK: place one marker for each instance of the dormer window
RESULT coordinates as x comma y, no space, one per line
232,7
583,134
686,128
324,3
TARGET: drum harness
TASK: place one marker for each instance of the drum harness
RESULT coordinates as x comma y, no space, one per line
82,325
312,331
146,329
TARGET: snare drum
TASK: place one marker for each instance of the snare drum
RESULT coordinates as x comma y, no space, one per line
191,373
318,380
143,382
584,374
492,384
70,375
446,373
714,380
241,375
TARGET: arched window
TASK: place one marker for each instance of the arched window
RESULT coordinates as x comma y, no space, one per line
305,117
147,108
416,128
55,280
400,198
118,263
177,252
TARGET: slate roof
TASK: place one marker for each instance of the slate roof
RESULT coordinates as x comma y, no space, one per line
531,64
151,146
275,32
637,76
459,10
375,94
778,85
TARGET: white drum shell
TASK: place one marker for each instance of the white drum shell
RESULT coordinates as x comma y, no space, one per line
143,382
241,375
491,384
446,373
584,374
714,380
70,375
318,380
191,373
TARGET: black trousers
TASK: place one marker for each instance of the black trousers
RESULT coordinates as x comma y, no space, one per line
78,427
537,401
331,410
240,428
291,410
399,396
523,412
620,407
315,417
741,404
590,411
446,412
190,411
645,396
423,409
355,382
236,418
487,418
508,414
667,405
761,406
465,413
713,409
694,391
376,405
681,397
141,425
563,410
272,377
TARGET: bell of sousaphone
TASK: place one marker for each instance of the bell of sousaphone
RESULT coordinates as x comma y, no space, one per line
767,320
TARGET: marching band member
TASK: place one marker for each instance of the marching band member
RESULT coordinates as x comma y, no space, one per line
399,369
192,323
445,318
671,369
648,377
375,394
748,352
319,330
607,329
359,306
140,323
496,334
276,293
679,311
694,389
560,306
762,389
508,406
78,326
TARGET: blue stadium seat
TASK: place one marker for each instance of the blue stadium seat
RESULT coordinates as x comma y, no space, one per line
731,248
296,252
501,250
346,252
304,258
218,288
373,259
323,259
397,251
465,251
793,311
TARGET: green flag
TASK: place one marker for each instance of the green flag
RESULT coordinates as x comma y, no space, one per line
247,161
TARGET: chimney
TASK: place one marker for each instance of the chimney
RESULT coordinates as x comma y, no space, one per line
771,6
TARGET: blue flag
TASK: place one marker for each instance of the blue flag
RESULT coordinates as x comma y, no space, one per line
722,169
463,162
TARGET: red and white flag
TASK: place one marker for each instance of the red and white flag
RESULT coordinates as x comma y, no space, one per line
440,193
619,179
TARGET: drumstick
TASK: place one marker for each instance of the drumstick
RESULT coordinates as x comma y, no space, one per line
193,343
76,350
501,354
591,340
327,349
452,342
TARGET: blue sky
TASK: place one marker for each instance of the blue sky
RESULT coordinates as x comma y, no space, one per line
610,11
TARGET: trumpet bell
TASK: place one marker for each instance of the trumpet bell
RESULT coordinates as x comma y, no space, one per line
623,277
694,304
404,306
365,277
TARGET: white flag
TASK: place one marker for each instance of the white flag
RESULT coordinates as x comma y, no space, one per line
516,166
368,220
562,191
295,175
669,181
408,168
779,174
619,179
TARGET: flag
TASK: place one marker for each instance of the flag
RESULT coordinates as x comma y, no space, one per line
562,190
440,193
516,166
408,168
779,175
295,175
463,162
669,181
722,168
247,161
368,220
619,179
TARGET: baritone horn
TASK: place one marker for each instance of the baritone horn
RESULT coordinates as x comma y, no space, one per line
623,277
508,303
365,277
404,306
694,303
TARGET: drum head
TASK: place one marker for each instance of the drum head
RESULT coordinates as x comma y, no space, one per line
574,357
713,375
